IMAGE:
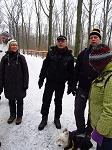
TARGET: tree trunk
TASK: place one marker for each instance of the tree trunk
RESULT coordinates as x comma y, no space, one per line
64,16
89,23
22,38
106,11
50,23
39,26
78,28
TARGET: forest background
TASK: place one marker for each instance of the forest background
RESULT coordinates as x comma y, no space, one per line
35,24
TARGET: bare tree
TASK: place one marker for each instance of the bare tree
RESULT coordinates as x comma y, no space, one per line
51,5
83,31
110,35
13,16
38,22
50,22
78,28
56,24
64,16
56,21
106,9
1,18
28,29
90,12
22,19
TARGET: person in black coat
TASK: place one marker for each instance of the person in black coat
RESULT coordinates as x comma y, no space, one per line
84,74
57,69
5,37
14,78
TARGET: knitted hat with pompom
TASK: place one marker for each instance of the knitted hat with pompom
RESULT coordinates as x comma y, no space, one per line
95,31
100,56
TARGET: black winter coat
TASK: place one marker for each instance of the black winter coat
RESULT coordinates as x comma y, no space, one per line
14,76
58,66
84,74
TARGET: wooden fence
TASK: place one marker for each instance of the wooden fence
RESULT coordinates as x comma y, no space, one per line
36,53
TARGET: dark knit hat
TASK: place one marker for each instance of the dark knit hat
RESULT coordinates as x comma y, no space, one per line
61,37
99,57
95,31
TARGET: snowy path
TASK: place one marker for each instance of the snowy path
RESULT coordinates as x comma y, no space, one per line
26,136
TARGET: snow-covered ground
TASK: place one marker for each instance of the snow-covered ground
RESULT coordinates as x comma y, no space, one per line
26,135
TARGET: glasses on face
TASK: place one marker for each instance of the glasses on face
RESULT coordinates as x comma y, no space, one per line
61,40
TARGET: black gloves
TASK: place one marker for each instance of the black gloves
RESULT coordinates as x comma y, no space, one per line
25,87
40,83
71,90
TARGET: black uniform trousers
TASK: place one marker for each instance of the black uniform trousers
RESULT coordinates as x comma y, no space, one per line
16,107
80,105
51,87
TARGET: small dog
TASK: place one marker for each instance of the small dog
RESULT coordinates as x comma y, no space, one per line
67,140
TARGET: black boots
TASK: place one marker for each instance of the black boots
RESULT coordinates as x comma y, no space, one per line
18,120
11,119
78,132
43,123
57,123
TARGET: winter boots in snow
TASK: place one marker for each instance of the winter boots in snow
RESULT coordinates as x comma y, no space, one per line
43,123
78,132
11,119
18,120
87,132
57,123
